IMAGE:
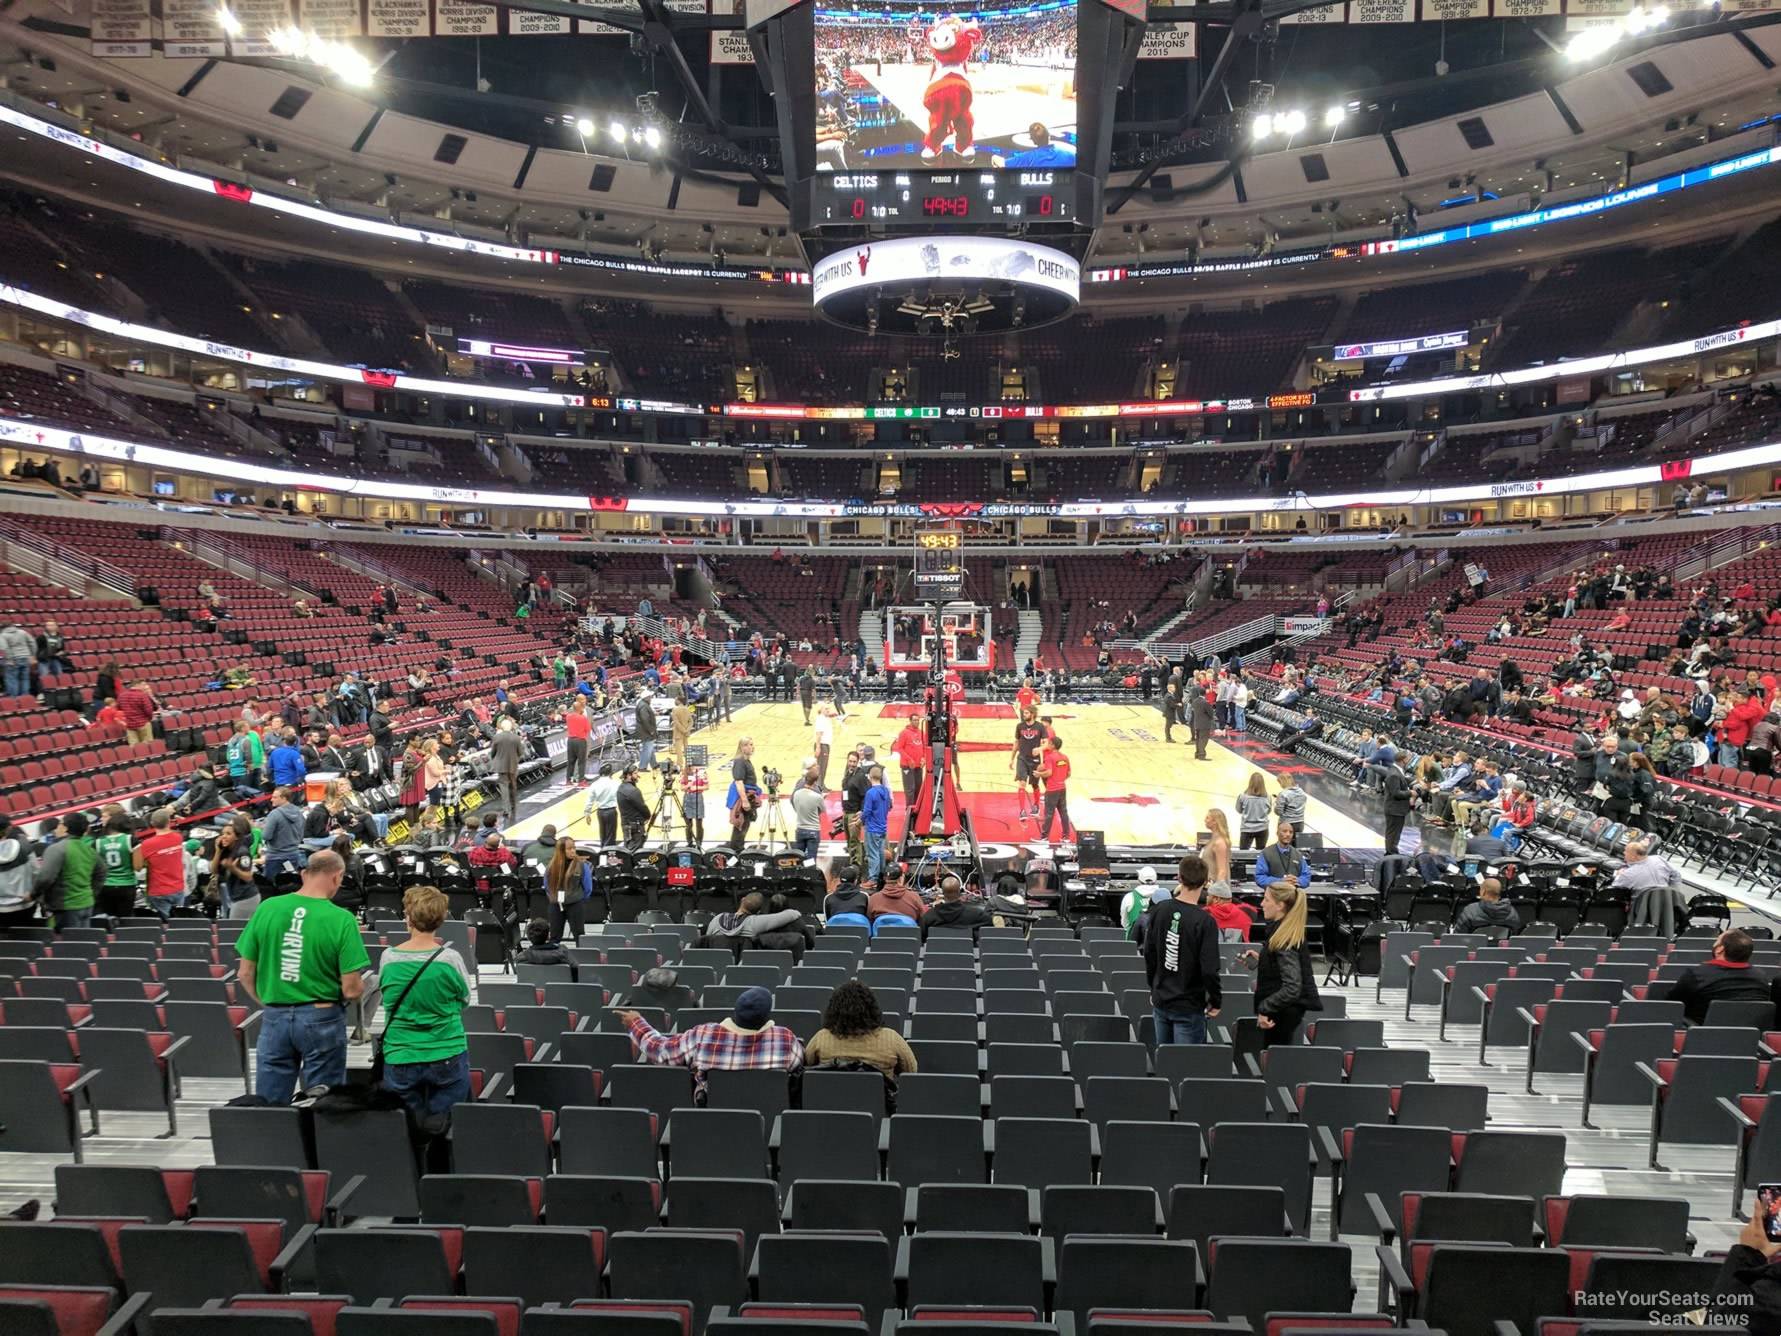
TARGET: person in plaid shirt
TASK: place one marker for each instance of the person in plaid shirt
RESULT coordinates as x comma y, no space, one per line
746,1041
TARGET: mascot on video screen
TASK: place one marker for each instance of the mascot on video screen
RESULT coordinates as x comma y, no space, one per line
952,43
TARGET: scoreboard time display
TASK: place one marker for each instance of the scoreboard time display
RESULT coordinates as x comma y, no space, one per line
943,199
939,562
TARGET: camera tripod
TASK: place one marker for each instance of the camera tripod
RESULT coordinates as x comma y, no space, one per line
662,819
773,826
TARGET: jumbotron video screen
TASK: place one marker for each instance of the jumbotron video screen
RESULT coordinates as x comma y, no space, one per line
938,86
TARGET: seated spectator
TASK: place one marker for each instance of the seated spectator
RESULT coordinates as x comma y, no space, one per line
1728,976
952,910
744,925
661,988
847,897
746,1040
491,854
1488,911
899,897
853,1031
1282,861
541,950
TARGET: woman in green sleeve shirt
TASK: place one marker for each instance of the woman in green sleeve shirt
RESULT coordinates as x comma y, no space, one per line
426,1057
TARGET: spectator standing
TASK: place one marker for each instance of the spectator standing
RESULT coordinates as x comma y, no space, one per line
1181,959
17,875
1137,901
115,882
646,730
911,751
139,707
807,810
1395,792
1289,803
507,751
281,834
1253,811
65,875
578,727
1055,770
680,724
875,821
745,793
301,958
245,755
18,656
602,799
426,1056
633,809
284,763
746,1040
1201,715
1285,987
1217,851
853,1031
569,881
824,743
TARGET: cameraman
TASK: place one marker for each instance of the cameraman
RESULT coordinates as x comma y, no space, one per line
807,808
853,802
745,793
646,731
632,809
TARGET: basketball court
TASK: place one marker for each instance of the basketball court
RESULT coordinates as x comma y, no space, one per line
1006,99
1125,779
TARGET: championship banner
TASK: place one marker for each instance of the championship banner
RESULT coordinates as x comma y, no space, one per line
1525,9
399,18
259,19
1597,8
1442,10
1170,41
1321,14
729,46
1381,11
525,23
190,30
122,28
334,19
456,18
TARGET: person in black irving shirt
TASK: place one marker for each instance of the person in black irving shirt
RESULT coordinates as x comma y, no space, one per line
1181,959
633,811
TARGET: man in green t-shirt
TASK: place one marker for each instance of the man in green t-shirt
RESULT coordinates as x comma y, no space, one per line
65,875
301,958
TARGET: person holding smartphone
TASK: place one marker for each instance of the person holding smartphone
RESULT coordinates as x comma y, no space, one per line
1749,1284
1285,986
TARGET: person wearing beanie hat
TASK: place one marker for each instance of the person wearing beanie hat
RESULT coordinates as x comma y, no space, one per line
1233,920
745,1040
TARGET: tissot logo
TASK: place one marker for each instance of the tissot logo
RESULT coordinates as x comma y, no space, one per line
865,258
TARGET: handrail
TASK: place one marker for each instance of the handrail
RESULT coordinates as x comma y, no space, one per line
373,569
70,560
227,555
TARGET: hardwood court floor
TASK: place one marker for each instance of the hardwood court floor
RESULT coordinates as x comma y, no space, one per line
1125,780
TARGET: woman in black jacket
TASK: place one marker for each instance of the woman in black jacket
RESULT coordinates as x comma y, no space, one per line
1618,805
1285,986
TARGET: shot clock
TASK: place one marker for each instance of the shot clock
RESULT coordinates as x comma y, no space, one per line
939,562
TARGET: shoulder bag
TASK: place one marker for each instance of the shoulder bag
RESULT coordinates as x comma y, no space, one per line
390,1018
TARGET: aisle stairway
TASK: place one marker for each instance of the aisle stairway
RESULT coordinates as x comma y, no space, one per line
1032,634
872,632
